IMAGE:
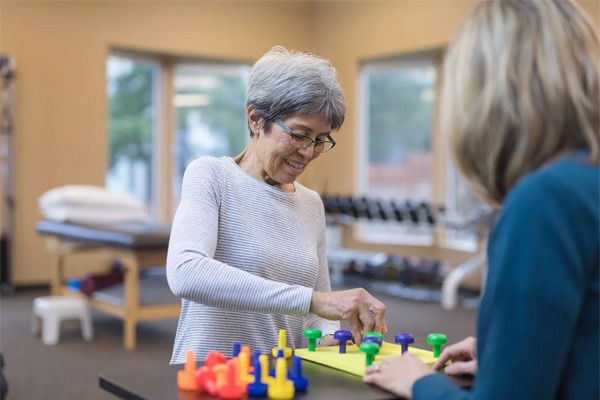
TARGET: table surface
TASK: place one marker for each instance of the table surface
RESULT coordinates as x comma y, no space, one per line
160,383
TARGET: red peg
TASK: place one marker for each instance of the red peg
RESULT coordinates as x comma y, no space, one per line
205,380
214,358
231,390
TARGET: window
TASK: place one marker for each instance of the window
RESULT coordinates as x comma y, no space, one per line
210,114
132,86
464,209
395,140
163,115
397,144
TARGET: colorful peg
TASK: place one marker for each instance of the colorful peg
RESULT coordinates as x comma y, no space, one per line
244,367
263,359
232,390
404,339
300,382
258,388
370,349
205,380
186,378
220,371
213,358
273,371
373,339
312,335
374,334
437,340
282,344
281,388
237,347
343,336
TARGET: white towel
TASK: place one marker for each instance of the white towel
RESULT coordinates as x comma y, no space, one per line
88,195
94,216
91,205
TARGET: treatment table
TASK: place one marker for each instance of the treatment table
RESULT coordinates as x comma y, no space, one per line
138,246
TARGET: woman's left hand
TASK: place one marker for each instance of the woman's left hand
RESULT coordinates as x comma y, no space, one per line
328,340
397,374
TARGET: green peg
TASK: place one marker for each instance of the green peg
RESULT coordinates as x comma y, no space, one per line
370,349
437,340
312,335
374,334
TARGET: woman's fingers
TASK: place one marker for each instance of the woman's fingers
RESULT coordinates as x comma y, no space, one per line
363,312
397,374
441,361
463,351
371,312
462,368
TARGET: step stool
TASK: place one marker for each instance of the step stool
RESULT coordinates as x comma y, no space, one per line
52,310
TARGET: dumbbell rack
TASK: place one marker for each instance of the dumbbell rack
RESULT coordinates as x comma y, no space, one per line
343,212
338,207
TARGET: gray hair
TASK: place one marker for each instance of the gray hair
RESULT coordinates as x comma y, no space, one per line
284,83
521,88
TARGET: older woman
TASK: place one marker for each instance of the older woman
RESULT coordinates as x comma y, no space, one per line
521,104
248,253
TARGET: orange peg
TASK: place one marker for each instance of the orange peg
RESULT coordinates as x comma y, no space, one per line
246,349
186,378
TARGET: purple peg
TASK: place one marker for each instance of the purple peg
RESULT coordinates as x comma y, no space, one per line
404,339
343,336
373,339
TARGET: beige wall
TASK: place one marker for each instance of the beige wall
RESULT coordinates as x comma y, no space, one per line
357,31
61,114
61,47
352,31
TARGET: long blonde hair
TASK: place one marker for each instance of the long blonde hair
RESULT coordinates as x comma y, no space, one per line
521,87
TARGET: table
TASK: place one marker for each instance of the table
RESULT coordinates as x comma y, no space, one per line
160,383
135,245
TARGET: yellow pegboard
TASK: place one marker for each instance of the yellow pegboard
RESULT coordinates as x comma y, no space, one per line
354,361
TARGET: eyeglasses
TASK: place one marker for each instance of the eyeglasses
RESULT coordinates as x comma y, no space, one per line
304,142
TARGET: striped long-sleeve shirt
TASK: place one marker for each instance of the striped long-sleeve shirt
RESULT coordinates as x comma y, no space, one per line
244,257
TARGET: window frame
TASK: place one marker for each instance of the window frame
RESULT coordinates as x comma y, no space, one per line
162,207
429,58
158,117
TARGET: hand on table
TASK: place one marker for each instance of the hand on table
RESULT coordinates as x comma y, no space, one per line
462,355
397,374
363,312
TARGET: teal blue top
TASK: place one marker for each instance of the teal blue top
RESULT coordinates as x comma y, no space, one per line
538,324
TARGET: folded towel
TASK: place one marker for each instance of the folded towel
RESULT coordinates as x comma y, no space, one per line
88,195
91,205
94,216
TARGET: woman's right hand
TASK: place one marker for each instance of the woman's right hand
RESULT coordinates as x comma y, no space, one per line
363,312
463,357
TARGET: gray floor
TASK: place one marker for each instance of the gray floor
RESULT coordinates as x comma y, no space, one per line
70,369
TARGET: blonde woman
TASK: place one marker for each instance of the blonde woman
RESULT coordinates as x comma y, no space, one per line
520,103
